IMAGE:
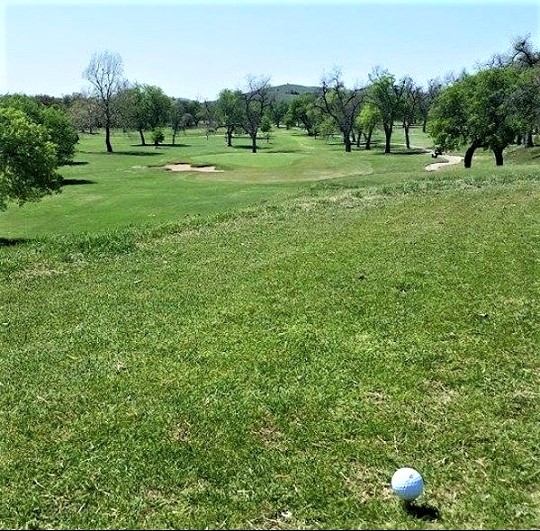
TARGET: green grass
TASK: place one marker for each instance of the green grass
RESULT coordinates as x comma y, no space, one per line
131,187
271,365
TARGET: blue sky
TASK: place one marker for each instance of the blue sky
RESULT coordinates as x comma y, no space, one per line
195,49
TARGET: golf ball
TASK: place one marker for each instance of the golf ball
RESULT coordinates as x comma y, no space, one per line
407,484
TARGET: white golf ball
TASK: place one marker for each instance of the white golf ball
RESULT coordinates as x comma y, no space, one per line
407,484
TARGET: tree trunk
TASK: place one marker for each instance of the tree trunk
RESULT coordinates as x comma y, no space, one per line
358,139
229,137
388,136
143,141
529,142
347,142
498,152
368,138
174,137
108,139
407,138
254,142
424,124
468,155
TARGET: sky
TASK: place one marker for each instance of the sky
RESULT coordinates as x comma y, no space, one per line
194,49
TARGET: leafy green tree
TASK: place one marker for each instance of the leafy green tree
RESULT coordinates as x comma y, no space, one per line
132,110
387,95
105,74
28,159
326,127
55,121
477,110
367,120
229,112
341,104
303,111
266,126
525,104
195,109
157,106
277,111
144,107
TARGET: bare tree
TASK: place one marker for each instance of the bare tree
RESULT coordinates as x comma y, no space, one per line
341,104
105,74
427,98
412,96
255,100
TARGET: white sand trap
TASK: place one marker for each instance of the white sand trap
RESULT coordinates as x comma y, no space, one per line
189,167
450,160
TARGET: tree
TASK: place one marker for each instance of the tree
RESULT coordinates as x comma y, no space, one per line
525,104
177,123
83,113
367,120
341,104
144,107
412,96
27,159
131,104
477,110
255,100
277,111
55,121
157,106
303,111
387,95
194,108
105,74
427,97
266,126
526,59
229,112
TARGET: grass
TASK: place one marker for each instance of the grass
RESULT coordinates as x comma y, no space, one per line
131,187
271,365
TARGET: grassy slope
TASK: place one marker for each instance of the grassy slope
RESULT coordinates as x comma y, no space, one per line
273,367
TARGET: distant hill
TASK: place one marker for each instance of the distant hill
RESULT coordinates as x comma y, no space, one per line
288,92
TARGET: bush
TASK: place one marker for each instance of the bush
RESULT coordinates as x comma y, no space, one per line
157,136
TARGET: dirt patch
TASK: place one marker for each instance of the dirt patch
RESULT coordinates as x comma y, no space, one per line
181,166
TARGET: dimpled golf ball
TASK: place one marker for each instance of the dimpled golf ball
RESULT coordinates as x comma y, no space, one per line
407,484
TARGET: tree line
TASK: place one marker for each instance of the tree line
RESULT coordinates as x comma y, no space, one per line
497,106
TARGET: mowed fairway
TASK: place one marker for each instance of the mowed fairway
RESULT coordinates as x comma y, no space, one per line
131,186
269,348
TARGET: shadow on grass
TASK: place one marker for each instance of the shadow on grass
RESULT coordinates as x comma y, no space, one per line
76,163
260,147
422,512
12,242
404,152
135,153
159,146
75,182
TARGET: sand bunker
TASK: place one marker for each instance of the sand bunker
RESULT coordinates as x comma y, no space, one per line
188,167
450,160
